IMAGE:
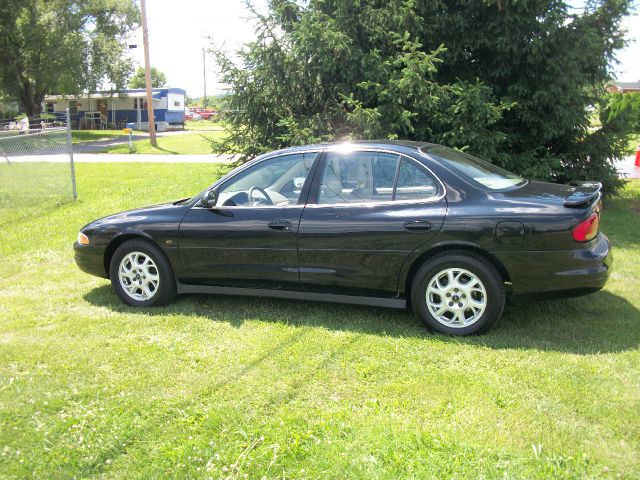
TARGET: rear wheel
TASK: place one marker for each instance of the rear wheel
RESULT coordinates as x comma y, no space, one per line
458,294
141,274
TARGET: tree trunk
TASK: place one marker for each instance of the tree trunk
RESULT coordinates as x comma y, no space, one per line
31,102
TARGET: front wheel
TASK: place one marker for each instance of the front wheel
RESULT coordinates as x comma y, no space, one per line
141,274
458,294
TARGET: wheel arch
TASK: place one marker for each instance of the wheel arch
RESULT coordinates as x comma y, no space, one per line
119,240
462,248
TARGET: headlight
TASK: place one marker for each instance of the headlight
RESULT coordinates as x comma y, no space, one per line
83,239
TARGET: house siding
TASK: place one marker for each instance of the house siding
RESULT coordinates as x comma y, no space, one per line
168,104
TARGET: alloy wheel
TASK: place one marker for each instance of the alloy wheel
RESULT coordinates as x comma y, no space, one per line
456,297
139,276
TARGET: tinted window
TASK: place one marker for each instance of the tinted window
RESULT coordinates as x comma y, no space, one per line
483,173
280,179
356,177
414,182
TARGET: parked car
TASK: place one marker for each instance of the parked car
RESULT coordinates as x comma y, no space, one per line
390,224
206,114
195,113
190,115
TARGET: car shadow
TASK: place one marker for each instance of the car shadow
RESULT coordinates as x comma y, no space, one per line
598,323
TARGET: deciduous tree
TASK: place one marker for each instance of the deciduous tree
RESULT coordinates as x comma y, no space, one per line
63,47
158,78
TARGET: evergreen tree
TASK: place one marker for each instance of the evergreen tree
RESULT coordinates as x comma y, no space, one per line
510,81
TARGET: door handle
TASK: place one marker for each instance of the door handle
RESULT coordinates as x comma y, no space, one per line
281,225
418,226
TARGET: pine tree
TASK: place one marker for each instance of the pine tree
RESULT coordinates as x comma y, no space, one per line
514,82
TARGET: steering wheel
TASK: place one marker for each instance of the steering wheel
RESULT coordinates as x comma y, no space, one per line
266,196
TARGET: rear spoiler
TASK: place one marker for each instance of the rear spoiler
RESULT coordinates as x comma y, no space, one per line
584,194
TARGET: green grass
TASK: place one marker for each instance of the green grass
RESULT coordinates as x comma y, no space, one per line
81,136
224,387
31,189
202,125
184,144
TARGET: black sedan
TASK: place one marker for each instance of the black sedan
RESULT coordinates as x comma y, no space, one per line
389,224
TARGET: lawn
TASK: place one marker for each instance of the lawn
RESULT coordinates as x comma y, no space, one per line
222,387
200,125
182,144
81,136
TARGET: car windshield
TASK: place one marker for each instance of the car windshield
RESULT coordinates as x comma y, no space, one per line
484,173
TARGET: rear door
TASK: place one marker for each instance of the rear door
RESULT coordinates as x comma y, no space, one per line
367,211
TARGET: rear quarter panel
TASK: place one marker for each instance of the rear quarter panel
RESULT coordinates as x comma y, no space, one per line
471,221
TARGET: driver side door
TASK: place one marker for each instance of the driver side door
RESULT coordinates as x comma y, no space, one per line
249,239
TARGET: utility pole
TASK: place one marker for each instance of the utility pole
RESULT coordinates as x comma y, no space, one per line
204,76
147,75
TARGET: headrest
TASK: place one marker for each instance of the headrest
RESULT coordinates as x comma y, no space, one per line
308,159
331,183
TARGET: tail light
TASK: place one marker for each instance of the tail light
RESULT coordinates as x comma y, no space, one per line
587,229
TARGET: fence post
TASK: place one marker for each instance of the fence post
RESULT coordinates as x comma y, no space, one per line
70,147
4,154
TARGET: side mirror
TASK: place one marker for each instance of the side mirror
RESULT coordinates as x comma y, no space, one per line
209,199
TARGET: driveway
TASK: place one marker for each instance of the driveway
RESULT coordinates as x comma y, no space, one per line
627,168
123,158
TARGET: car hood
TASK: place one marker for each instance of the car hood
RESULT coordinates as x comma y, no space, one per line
142,214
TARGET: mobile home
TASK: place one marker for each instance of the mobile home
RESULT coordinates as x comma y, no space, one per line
102,110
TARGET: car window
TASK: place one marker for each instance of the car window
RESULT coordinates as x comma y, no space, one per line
276,181
414,182
483,173
356,177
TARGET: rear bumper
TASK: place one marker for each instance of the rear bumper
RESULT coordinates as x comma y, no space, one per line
556,271
90,259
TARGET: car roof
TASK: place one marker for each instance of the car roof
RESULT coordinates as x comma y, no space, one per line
385,144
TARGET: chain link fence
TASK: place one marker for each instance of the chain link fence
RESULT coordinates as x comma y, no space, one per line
36,165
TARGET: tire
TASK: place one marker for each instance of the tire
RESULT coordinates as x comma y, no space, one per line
458,293
141,274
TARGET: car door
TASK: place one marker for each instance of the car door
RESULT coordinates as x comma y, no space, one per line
249,239
367,211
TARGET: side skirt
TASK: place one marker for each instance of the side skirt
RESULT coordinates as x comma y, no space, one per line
399,303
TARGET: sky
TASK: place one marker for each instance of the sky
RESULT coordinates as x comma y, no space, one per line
178,31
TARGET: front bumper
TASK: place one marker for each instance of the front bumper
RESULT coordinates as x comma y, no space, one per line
557,271
90,259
